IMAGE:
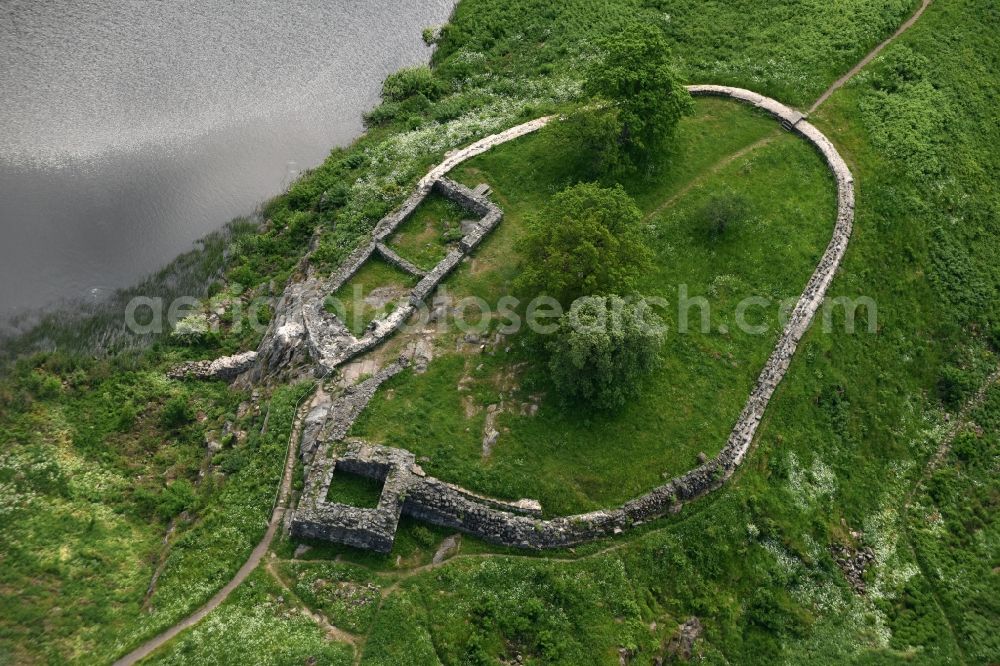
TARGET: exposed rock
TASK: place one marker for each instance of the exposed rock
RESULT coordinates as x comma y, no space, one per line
681,644
853,563
355,370
422,353
380,297
226,368
490,432
528,506
447,548
470,406
312,425
490,438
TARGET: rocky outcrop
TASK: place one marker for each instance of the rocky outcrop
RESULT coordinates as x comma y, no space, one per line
853,562
681,645
226,368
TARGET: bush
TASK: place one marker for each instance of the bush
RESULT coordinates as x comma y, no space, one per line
192,329
424,537
234,461
954,386
411,81
177,497
723,211
176,413
43,385
126,417
603,347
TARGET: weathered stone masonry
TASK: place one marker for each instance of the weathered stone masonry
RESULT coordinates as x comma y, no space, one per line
408,490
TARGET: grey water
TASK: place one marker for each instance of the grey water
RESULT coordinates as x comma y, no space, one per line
131,128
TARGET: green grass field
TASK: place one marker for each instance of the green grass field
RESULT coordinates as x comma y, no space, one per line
373,292
426,237
576,462
99,458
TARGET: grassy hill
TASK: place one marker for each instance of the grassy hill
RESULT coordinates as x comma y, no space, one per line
128,498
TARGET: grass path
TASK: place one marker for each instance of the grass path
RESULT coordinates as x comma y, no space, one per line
962,419
711,171
277,516
333,632
853,71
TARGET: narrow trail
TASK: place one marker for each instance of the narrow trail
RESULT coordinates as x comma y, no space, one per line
944,446
711,171
161,557
280,507
851,73
332,631
161,564
277,515
962,419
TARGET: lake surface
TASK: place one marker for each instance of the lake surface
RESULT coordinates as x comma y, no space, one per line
131,128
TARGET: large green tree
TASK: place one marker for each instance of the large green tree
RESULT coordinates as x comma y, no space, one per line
603,347
586,240
639,99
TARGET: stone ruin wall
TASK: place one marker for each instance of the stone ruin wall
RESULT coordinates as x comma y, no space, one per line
440,503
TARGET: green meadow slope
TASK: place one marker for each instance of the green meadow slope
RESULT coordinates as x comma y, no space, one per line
127,499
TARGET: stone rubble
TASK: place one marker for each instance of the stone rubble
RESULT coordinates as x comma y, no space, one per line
853,562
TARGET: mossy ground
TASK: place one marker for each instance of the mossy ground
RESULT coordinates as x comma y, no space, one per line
374,291
430,232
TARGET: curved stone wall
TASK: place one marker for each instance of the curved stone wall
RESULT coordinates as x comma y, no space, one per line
435,501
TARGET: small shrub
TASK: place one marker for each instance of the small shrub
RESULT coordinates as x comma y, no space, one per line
411,81
334,197
233,461
192,329
43,385
423,536
176,413
722,212
954,386
177,497
126,418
